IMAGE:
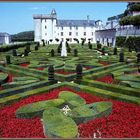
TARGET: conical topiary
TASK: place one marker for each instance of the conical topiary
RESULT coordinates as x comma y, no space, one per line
52,53
138,57
89,45
28,48
115,51
26,52
8,59
79,70
14,52
36,47
75,52
51,73
121,56
43,41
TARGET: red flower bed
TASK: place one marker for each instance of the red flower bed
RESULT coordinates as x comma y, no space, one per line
106,79
1,88
123,122
39,68
10,78
104,63
87,68
64,72
24,65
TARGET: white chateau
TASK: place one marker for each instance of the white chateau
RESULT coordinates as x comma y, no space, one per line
48,27
4,38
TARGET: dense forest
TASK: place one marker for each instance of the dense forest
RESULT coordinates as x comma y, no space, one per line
23,36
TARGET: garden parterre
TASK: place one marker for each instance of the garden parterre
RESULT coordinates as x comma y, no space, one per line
112,84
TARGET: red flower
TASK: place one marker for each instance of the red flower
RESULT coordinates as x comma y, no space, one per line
24,65
106,79
64,72
122,123
40,68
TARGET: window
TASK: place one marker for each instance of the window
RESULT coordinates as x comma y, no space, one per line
84,27
76,28
45,20
45,34
62,39
92,33
84,33
61,33
45,27
70,27
76,33
70,33
70,39
61,28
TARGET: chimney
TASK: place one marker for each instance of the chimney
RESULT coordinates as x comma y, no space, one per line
88,18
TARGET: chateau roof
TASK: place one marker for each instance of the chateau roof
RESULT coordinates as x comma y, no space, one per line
75,23
3,34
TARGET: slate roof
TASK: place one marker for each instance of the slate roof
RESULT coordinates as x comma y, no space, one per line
75,23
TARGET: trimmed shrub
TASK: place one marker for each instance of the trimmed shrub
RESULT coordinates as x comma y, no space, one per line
79,70
52,53
83,41
120,41
75,52
99,45
115,51
121,55
8,59
89,45
26,52
138,57
14,52
36,47
43,41
51,73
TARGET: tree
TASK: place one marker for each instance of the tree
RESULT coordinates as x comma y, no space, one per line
57,40
83,41
43,41
75,39
23,36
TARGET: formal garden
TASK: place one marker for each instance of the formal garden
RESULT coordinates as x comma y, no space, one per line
92,92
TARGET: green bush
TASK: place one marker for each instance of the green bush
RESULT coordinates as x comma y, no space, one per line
132,42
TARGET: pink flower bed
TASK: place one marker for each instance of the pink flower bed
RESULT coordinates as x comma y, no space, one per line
124,121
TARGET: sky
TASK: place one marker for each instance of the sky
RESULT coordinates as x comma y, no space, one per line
16,17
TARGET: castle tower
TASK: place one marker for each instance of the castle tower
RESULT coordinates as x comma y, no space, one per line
54,20
45,26
37,28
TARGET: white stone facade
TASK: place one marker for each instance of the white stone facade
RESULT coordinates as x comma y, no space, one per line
48,27
5,38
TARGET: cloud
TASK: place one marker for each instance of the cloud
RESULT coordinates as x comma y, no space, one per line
36,8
